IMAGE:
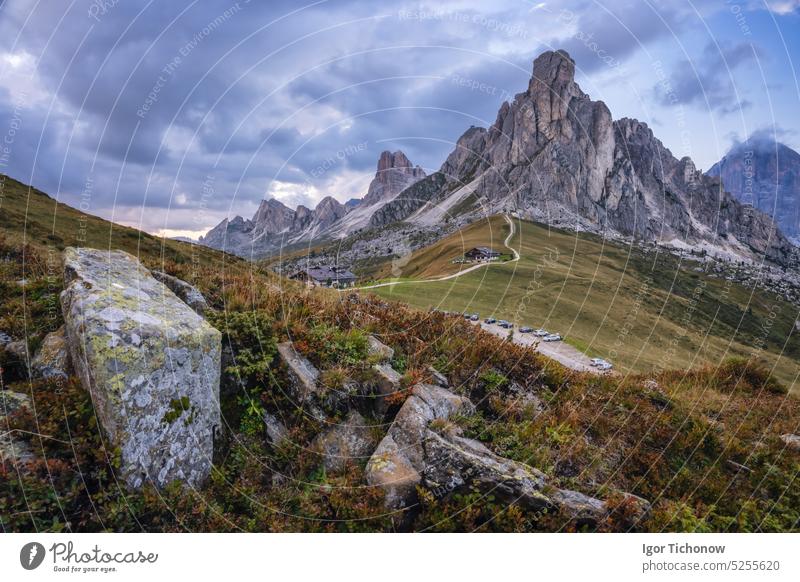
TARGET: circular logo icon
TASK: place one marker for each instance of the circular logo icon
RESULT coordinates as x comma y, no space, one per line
31,555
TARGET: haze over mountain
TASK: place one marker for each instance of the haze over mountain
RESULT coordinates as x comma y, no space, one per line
555,156
765,174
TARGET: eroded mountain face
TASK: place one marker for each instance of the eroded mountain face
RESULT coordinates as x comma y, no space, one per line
764,174
556,156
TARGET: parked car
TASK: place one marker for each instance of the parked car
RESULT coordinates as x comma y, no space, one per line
474,317
490,320
525,329
505,324
467,316
553,337
541,332
605,366
596,361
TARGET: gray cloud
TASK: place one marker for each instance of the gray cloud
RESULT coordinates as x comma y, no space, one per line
708,81
152,99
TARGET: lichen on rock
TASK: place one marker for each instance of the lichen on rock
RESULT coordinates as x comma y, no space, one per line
139,350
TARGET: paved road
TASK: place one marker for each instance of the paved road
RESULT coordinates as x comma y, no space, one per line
462,272
561,352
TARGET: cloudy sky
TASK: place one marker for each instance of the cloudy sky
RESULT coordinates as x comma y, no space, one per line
170,116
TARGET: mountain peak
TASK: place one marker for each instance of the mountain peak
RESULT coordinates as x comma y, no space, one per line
393,160
395,174
552,70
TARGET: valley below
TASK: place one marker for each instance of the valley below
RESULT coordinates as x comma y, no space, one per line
640,306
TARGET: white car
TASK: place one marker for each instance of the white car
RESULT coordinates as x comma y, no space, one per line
553,337
596,362
541,332
605,366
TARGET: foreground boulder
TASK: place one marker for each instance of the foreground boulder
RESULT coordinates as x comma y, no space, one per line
379,350
398,462
52,360
151,364
454,462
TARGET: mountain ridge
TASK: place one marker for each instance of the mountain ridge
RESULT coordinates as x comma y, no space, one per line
554,155
274,224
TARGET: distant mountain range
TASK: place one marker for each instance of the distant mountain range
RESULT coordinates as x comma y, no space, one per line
553,155
274,225
765,174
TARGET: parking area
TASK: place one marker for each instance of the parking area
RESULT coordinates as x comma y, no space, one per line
558,350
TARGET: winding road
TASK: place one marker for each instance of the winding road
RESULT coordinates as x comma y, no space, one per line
563,353
463,272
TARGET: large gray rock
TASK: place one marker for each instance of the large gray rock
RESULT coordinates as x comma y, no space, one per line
399,460
350,441
52,360
187,293
390,469
387,383
151,364
454,462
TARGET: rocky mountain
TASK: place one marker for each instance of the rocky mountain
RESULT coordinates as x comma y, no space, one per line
554,155
765,174
275,225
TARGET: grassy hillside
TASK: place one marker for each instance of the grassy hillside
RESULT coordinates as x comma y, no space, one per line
703,446
30,216
645,311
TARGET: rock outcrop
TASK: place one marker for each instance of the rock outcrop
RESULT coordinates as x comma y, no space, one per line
397,464
151,364
14,452
395,174
556,156
453,463
792,441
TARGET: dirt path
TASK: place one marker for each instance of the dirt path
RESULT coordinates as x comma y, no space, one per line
455,275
